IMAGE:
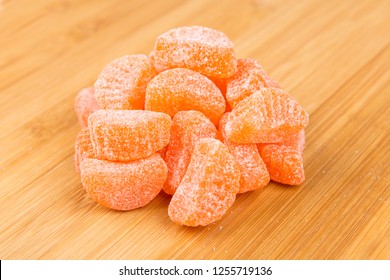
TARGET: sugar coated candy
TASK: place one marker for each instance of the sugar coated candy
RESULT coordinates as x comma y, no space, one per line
123,185
209,186
267,116
250,77
254,174
85,104
122,83
83,147
180,89
198,48
188,127
123,135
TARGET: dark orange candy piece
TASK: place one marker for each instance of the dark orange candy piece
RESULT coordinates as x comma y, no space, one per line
209,186
123,185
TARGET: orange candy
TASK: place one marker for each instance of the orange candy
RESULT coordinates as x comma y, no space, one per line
284,160
123,135
250,77
267,116
188,127
209,186
85,104
180,89
122,83
83,147
254,174
204,50
123,185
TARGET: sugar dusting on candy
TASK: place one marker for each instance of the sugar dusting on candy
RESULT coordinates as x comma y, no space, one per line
85,104
254,174
123,135
188,127
181,89
83,147
267,116
198,48
209,186
123,185
122,83
250,77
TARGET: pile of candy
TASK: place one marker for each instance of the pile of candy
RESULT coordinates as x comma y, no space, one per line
189,119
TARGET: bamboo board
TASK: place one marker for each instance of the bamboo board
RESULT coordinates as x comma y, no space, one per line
333,56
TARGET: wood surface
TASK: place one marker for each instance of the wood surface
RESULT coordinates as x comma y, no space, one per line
332,56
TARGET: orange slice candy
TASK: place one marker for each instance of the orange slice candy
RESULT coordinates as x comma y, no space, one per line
267,116
254,174
180,89
83,147
209,186
205,50
123,135
188,127
123,185
122,83
85,104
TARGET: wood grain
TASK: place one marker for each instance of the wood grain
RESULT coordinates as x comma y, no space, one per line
333,56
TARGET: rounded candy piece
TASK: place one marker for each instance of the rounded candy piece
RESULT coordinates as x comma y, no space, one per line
267,116
122,83
209,186
123,185
254,174
198,48
123,135
83,147
85,104
188,127
250,77
180,89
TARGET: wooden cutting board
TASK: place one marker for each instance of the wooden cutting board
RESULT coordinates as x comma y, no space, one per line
332,56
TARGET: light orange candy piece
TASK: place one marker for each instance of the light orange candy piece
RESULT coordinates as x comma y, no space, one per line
254,174
202,49
209,186
188,127
123,185
85,104
122,83
267,116
83,147
284,160
180,89
123,135
249,78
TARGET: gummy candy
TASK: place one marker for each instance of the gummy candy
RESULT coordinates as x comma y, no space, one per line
250,77
254,174
267,116
83,147
122,83
205,50
181,89
84,105
123,135
188,127
123,185
209,186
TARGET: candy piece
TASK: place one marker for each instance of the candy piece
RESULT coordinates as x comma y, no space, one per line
159,68
267,116
83,147
221,84
123,135
85,104
122,83
209,186
123,185
181,89
250,77
204,50
188,127
254,174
